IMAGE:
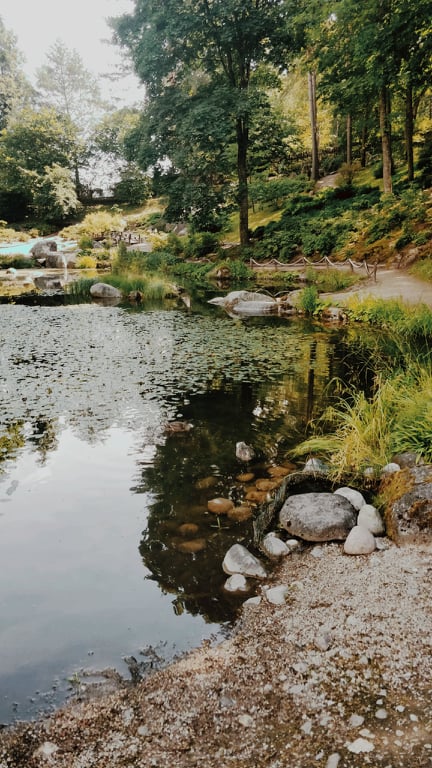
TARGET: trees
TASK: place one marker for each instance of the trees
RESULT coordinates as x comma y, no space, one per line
373,52
67,86
14,87
223,42
37,151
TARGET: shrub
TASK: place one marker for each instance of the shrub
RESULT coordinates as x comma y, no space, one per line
86,262
308,300
201,244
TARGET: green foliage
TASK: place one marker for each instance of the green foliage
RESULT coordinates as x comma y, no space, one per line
307,301
17,262
201,244
55,199
423,269
94,225
410,322
133,187
367,432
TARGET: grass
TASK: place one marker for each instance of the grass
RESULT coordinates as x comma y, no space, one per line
423,270
151,287
411,322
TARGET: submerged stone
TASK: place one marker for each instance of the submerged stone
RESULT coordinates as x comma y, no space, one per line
240,514
192,546
219,506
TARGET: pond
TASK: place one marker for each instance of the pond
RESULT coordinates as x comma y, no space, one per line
24,248
94,488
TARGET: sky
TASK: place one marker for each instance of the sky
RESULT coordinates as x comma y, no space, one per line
80,25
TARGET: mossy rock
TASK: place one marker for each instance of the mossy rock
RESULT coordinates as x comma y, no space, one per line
407,500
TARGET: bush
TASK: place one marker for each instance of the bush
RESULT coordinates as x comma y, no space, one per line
308,300
201,244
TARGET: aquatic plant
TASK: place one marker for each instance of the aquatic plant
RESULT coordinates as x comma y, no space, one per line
361,432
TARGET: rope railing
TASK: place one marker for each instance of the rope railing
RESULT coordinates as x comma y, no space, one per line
302,261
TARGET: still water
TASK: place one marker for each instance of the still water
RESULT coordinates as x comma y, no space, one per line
93,488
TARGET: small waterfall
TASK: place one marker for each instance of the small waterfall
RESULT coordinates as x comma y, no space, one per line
65,267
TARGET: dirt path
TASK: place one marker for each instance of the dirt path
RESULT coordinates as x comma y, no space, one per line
390,284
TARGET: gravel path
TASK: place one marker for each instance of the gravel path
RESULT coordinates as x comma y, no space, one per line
338,676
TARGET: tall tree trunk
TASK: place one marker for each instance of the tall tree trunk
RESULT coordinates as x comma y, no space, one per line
314,125
243,196
349,140
385,128
409,131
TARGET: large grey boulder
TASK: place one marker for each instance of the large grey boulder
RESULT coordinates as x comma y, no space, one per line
60,259
42,248
318,516
246,303
104,291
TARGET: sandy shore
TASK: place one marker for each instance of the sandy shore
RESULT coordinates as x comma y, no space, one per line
339,675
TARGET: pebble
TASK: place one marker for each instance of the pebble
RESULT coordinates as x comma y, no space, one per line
143,730
381,714
253,600
360,745
356,720
293,544
277,595
47,749
359,541
246,720
370,518
239,560
324,641
317,552
333,760
236,583
390,469
307,727
354,497
400,708
274,547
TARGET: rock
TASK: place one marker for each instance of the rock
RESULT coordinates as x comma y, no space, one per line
240,514
244,452
389,469
253,601
256,497
333,315
104,291
407,459
333,760
293,544
48,283
236,583
59,260
359,541
274,547
245,477
205,482
356,721
355,497
246,303
188,529
360,745
246,720
278,471
267,485
238,559
219,506
381,714
318,516
408,496
47,749
192,546
316,465
370,518
324,641
277,595
43,248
